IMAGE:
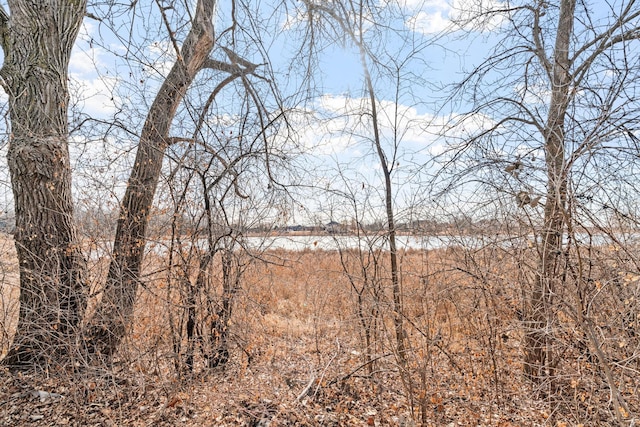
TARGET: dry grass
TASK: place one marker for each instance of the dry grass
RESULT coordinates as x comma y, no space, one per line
9,291
299,353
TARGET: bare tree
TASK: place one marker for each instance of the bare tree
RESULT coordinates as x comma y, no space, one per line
378,123
113,317
37,38
215,187
349,19
555,208
546,124
35,74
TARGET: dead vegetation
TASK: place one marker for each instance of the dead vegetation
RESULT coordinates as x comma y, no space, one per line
311,343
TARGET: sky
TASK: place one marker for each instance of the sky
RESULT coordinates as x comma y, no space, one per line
115,71
103,85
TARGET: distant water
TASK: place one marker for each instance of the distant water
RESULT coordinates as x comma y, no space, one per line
335,242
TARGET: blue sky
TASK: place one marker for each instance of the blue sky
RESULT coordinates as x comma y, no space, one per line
117,75
105,84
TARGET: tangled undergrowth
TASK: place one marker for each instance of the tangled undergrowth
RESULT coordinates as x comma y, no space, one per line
310,342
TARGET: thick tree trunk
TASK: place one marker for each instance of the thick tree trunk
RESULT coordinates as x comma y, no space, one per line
37,42
115,312
538,340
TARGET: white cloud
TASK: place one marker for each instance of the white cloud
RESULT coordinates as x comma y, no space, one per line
95,96
340,126
401,120
100,168
87,57
293,19
429,23
437,149
312,134
162,56
534,93
86,30
91,90
4,98
466,126
436,16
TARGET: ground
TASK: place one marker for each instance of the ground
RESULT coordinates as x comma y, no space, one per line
299,356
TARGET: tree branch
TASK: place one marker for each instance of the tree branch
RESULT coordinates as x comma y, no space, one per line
601,39
172,33
238,60
214,64
539,51
93,16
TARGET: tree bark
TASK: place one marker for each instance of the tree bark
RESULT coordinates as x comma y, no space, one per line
398,315
538,341
37,39
115,312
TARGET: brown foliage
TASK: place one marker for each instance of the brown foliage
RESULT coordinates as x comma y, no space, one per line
298,355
